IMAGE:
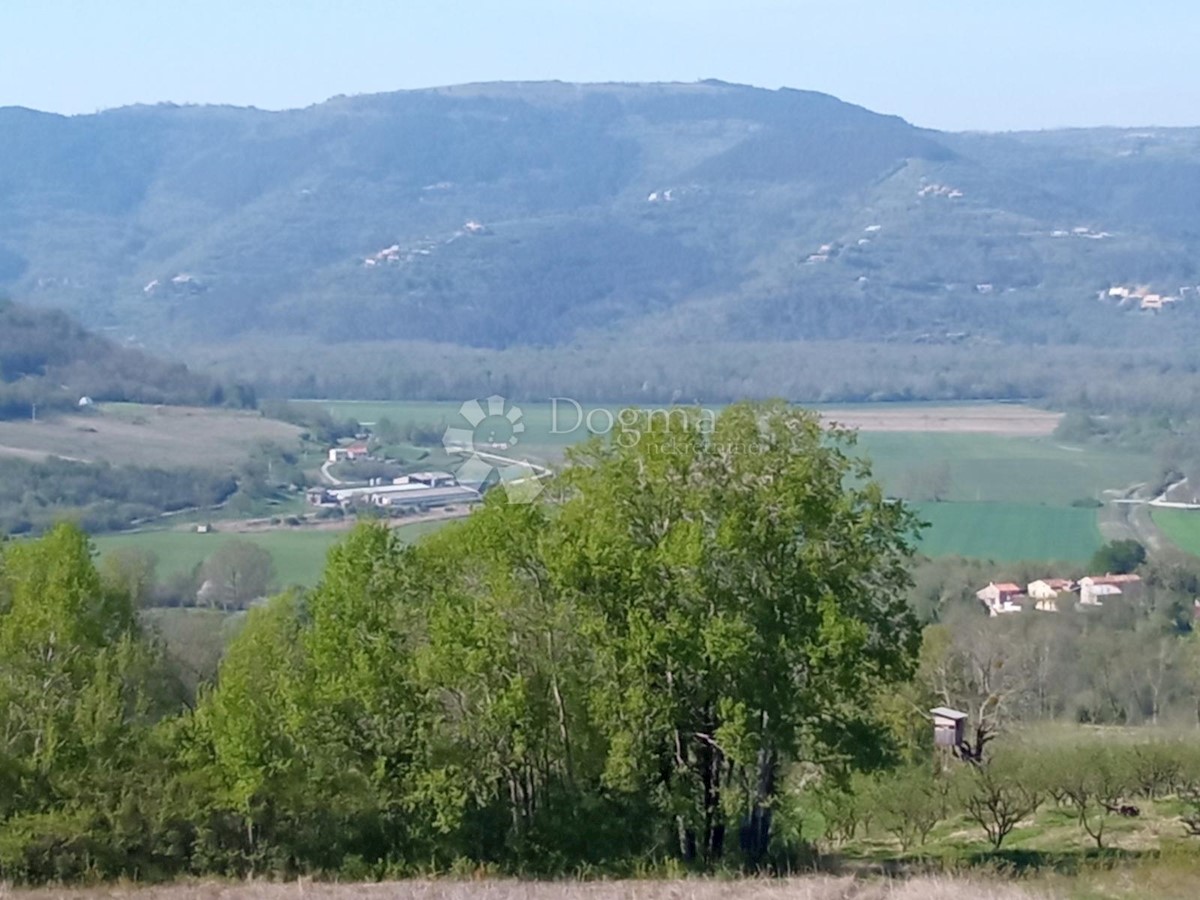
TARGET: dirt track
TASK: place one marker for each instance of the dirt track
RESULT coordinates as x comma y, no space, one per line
997,419
256,526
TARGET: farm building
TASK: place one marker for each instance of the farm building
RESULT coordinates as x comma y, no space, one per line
406,495
1000,598
429,479
319,497
350,453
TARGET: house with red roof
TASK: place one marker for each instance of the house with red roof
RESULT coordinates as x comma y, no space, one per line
1001,597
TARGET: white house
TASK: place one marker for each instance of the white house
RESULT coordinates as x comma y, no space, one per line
1000,597
1093,588
1046,592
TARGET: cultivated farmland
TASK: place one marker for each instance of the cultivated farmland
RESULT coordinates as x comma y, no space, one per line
1181,526
1007,532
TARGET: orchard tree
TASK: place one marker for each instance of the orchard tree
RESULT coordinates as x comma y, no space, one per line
999,794
742,583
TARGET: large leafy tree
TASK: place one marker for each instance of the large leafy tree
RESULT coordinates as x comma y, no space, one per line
629,667
79,691
742,583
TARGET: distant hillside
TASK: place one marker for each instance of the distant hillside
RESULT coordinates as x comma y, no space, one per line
49,362
514,215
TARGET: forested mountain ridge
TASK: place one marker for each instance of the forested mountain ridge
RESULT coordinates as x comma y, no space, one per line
504,215
48,361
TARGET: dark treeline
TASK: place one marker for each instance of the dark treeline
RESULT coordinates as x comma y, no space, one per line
628,676
1115,381
49,362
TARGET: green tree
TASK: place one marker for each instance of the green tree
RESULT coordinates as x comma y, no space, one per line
1118,557
1096,779
742,582
132,571
238,572
79,691
911,802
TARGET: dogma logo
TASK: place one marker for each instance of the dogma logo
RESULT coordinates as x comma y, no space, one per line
495,429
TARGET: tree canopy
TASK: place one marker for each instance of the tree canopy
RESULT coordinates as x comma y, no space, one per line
630,669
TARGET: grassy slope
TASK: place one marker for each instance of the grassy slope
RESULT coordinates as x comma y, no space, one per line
299,554
1182,526
164,436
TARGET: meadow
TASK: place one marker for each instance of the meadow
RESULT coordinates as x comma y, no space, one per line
1181,526
298,553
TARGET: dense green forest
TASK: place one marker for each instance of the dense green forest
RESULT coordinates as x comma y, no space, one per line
688,228
49,363
697,649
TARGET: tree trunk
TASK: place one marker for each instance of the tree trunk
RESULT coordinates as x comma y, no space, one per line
755,832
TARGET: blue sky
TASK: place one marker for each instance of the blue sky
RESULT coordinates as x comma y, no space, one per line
957,64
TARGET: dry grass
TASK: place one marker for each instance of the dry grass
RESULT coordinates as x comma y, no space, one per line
149,435
812,888
998,419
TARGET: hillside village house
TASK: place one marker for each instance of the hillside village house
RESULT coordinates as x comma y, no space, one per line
1094,588
1048,594
1000,598
1045,591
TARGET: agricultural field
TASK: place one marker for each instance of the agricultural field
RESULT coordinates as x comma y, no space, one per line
550,426
987,468
994,452
165,436
1181,526
1008,532
298,553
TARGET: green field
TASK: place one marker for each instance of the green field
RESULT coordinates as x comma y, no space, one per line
980,467
1181,526
299,554
983,467
1008,531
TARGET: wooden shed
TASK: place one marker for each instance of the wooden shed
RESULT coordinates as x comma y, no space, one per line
949,726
